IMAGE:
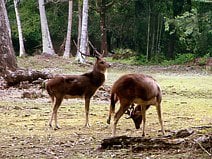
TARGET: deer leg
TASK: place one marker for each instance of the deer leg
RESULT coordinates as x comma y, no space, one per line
54,112
143,112
119,113
158,107
112,110
87,104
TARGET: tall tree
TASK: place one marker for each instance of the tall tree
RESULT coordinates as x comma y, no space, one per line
148,34
67,53
84,33
79,25
7,54
177,10
102,6
20,33
46,39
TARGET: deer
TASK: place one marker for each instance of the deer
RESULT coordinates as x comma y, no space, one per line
132,89
76,86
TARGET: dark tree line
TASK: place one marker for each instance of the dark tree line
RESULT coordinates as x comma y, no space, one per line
153,29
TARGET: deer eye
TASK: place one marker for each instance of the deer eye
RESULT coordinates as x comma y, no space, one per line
102,62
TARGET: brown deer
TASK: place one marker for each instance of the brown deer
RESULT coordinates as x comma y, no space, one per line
139,89
76,86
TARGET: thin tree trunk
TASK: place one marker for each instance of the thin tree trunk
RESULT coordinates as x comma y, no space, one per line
79,29
7,53
20,33
159,37
153,37
46,39
157,33
84,31
104,50
148,34
67,53
177,10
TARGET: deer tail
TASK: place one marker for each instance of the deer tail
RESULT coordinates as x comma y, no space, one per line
159,96
113,100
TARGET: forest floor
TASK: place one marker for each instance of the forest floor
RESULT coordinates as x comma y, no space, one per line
186,104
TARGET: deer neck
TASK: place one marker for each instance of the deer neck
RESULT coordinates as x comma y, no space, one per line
98,78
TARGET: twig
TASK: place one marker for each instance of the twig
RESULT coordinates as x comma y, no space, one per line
80,51
94,49
209,154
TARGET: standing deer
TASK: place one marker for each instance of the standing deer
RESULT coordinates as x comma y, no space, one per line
139,89
76,86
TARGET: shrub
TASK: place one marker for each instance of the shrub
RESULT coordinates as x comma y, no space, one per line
183,58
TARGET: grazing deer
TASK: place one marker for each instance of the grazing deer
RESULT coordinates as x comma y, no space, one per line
139,89
76,86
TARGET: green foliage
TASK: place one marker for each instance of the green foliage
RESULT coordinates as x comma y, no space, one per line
57,14
183,58
30,21
186,27
126,56
180,59
127,25
205,25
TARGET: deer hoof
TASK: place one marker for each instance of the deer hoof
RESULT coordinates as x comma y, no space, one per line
56,127
50,125
108,121
87,125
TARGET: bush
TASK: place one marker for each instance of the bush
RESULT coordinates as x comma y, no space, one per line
183,58
123,54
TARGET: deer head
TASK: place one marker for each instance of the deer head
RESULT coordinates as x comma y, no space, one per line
135,114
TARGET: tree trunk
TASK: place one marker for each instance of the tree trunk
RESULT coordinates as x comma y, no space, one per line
148,34
104,49
171,46
20,33
159,35
189,5
67,53
79,27
7,22
177,10
84,32
153,36
14,78
7,54
140,143
46,39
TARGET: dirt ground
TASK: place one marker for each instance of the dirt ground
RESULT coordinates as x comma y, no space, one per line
187,104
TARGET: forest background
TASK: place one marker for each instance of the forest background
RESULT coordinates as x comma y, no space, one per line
147,30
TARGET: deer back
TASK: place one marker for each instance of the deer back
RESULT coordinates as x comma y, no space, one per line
132,86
